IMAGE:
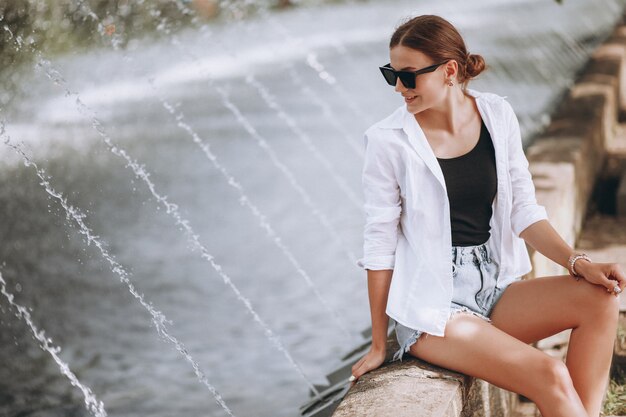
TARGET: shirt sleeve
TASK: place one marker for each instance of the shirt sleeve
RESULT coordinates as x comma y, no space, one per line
525,210
382,207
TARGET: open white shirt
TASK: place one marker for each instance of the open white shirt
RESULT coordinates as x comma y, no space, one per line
407,212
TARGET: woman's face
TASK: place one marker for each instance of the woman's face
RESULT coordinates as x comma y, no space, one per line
430,88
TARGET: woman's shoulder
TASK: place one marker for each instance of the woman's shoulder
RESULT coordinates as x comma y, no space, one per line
383,130
496,101
382,136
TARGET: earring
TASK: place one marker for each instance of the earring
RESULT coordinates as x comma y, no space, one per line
450,83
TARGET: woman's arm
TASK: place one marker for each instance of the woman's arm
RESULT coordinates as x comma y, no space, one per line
382,207
547,241
380,236
378,283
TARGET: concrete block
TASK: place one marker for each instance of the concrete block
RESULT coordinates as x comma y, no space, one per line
615,52
599,85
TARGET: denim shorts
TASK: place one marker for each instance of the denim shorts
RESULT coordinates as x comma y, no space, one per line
474,277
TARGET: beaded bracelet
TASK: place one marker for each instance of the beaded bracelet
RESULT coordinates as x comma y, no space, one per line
572,260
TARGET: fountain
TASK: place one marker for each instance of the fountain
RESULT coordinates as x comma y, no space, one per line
229,126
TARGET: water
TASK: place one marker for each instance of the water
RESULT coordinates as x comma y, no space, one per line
106,335
91,402
158,318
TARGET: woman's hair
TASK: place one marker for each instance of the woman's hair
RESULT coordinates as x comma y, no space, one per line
437,38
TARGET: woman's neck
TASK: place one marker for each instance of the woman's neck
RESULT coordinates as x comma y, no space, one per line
450,115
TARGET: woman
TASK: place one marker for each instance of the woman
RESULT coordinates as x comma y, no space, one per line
450,205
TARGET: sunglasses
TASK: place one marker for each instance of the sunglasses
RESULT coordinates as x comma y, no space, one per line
406,77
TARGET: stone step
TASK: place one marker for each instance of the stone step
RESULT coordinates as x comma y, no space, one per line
526,409
615,163
617,147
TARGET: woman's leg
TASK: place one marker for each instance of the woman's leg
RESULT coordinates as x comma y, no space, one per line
531,310
477,348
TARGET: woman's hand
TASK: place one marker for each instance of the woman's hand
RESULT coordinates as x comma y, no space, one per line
606,274
372,360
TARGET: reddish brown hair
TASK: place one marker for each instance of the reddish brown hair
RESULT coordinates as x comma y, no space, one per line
439,39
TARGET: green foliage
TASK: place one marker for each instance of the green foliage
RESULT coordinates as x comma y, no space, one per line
615,402
56,25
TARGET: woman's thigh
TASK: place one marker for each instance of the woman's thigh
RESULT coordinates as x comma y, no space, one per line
533,309
475,347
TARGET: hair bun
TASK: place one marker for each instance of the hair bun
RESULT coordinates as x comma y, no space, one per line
474,65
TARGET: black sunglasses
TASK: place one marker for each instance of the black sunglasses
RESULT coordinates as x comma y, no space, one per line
406,77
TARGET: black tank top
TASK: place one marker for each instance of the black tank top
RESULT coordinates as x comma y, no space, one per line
472,185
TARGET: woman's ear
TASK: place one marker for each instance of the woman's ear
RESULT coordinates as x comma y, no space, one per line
451,69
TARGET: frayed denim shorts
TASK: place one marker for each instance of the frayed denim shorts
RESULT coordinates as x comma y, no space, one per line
474,277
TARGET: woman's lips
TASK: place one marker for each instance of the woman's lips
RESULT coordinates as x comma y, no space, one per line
409,99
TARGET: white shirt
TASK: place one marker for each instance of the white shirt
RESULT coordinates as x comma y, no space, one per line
407,212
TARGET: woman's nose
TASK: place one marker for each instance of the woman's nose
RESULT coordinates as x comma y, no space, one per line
399,86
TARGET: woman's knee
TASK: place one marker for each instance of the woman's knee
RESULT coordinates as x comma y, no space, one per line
602,307
554,382
610,306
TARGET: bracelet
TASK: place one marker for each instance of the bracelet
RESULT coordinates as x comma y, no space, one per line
572,260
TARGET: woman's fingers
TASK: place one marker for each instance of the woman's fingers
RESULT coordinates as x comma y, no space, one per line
363,366
356,372
614,278
618,274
